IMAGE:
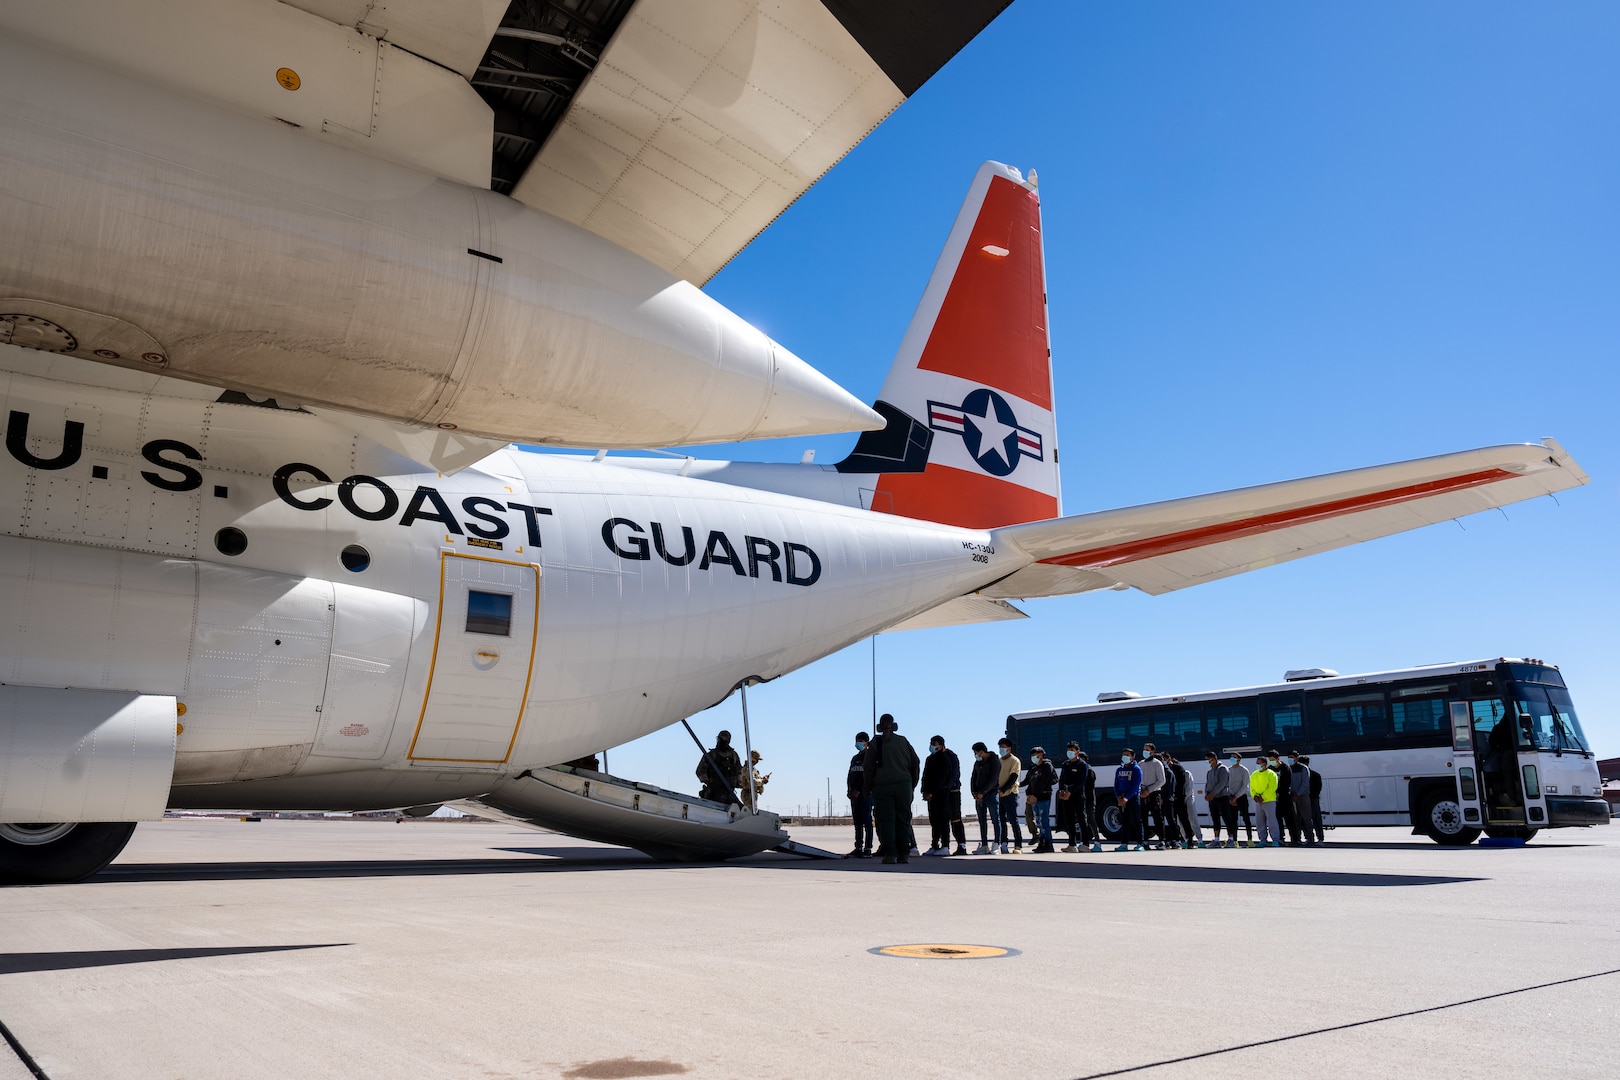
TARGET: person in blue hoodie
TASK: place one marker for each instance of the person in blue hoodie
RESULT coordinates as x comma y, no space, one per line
1128,792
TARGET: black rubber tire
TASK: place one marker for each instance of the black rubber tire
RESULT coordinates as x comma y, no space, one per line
1438,807
1511,832
1110,821
82,851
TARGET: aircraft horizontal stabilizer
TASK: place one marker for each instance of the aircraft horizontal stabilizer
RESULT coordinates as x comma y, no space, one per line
1161,547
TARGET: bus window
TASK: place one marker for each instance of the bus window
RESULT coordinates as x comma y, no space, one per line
1550,715
1138,732
1093,743
1115,739
1231,723
1355,715
1179,730
1285,719
1419,708
1487,714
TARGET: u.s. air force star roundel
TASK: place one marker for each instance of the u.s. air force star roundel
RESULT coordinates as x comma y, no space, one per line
992,435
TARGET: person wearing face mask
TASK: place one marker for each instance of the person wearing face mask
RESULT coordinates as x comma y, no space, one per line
891,774
942,791
1186,810
1299,784
1285,798
1077,800
1239,785
1007,790
983,783
1153,808
860,803
1263,794
1218,796
1038,785
1128,794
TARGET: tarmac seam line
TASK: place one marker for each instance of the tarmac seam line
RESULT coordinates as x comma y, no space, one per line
22,1055
1345,1027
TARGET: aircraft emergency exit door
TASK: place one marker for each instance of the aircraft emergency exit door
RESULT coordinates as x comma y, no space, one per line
483,659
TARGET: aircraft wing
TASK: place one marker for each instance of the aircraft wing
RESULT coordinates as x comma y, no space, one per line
701,120
961,611
1161,547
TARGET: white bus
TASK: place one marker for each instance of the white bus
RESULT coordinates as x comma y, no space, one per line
1451,750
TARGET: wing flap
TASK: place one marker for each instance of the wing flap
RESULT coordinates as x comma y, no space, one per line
961,611
1161,547
703,121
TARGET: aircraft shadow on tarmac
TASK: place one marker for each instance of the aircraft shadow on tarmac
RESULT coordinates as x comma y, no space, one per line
578,860
16,963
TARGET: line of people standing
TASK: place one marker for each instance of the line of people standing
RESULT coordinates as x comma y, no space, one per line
1154,793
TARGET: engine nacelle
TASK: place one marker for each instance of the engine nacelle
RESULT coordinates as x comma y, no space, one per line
153,230
84,755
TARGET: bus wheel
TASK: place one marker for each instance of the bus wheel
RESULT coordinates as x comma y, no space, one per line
58,852
1511,832
1442,818
1111,822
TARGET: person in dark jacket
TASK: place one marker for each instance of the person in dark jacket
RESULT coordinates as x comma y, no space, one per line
860,803
1128,794
721,788
1286,821
1039,781
982,785
1316,800
942,791
1077,798
892,772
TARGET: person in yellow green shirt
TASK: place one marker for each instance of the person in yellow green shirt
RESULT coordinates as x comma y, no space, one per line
1263,794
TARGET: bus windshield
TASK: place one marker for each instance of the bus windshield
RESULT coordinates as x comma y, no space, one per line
1550,715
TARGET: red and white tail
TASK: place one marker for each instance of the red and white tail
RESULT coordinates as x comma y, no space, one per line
971,438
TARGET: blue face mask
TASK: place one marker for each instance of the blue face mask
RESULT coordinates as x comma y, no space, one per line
1004,751
1232,762
1073,755
1147,755
1125,759
932,749
860,746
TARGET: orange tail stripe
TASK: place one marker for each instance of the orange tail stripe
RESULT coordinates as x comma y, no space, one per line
1170,543
955,497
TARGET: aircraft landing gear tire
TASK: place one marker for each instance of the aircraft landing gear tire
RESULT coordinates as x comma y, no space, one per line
57,853
1442,819
1511,832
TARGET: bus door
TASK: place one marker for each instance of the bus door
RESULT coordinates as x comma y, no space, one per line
1535,800
1465,766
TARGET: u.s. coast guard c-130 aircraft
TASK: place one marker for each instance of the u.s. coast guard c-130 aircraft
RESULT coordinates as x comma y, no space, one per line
214,598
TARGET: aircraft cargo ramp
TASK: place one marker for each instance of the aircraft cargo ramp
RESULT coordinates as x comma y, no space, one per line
664,824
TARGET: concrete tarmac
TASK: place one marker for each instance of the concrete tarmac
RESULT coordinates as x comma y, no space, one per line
357,949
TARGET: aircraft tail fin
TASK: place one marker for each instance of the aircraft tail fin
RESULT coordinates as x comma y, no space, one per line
971,438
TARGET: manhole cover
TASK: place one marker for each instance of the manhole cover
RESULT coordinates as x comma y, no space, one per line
942,951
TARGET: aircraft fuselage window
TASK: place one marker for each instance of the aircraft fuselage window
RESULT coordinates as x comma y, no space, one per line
489,613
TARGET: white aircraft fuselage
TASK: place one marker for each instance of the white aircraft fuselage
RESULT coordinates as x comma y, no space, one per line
182,546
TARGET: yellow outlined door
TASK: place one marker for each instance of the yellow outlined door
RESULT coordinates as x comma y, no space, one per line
483,660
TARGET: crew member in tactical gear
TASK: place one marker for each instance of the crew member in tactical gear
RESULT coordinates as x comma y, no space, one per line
892,772
720,788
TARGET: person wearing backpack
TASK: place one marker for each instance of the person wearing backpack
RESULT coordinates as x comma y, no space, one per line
892,772
1038,784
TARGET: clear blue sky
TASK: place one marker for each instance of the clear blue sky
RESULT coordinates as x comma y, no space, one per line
1282,239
